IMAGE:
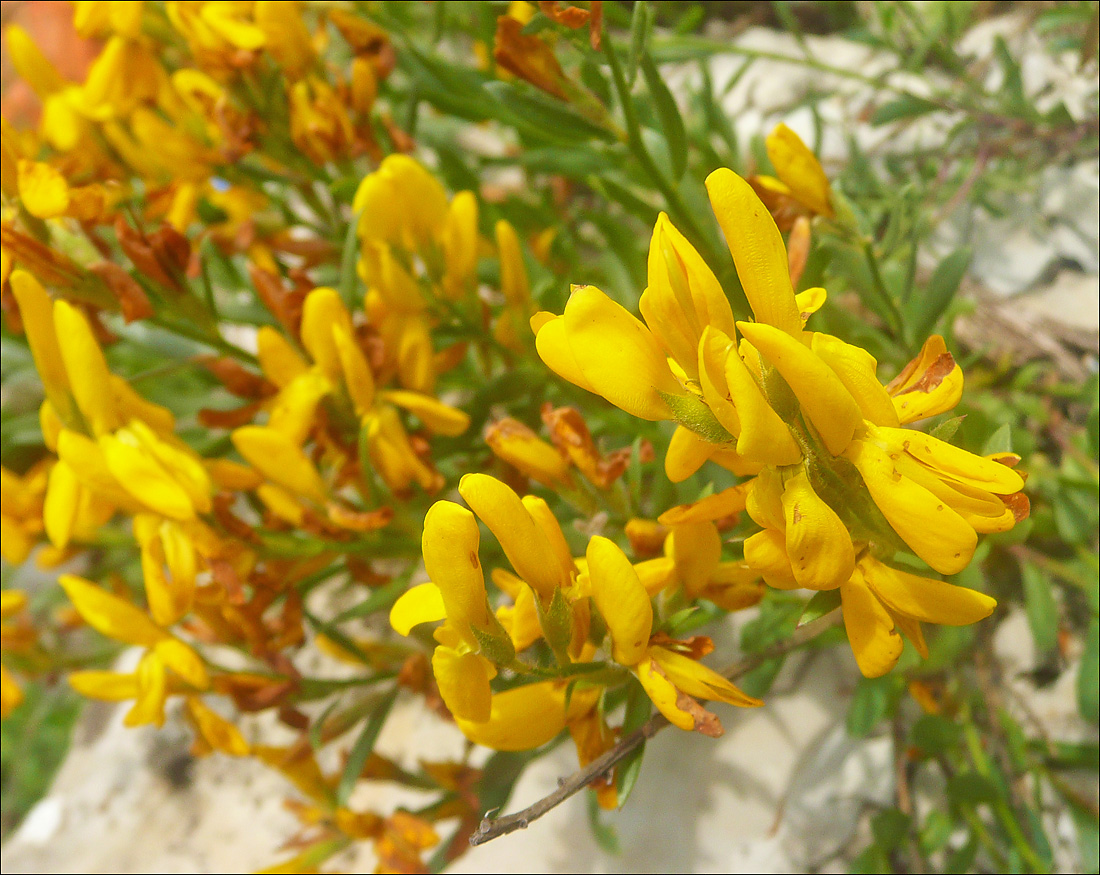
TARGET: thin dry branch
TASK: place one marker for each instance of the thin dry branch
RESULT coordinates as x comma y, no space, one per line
490,829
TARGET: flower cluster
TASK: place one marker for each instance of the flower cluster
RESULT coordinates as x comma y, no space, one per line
838,486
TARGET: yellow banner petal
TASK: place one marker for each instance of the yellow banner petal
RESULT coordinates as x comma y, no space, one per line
757,250
450,548
619,357
799,169
521,538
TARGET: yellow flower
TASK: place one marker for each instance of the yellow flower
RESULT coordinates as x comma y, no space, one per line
150,685
802,188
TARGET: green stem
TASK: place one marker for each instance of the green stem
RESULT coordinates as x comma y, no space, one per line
675,202
892,314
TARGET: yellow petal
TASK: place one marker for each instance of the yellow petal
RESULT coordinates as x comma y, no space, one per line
513,271
925,599
933,531
43,190
686,454
656,574
519,446
460,244
438,417
36,310
766,552
764,436
764,501
183,661
553,349
279,360
110,615
144,477
548,524
63,497
521,538
696,548
322,311
856,369
697,680
663,694
714,347
357,373
810,301
931,383
421,604
799,169
107,686
294,410
87,369
618,355
218,732
525,717
713,507
463,683
277,457
152,691
450,545
168,601
31,65
817,541
981,509
757,250
621,599
875,642
954,462
820,393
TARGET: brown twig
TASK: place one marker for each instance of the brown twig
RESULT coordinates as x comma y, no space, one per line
490,829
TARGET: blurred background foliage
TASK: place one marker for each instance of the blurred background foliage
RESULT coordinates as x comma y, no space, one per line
644,119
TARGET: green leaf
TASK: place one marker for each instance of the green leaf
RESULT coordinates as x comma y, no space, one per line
970,788
889,828
824,602
544,116
962,860
1042,610
935,831
638,710
906,106
924,310
361,750
379,600
945,430
869,705
668,114
604,833
641,25
1000,441
934,734
556,620
349,257
1088,675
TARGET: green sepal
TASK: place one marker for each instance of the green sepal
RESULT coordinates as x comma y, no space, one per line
693,414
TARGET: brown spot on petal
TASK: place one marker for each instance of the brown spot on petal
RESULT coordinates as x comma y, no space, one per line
474,563
1019,504
933,375
706,722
